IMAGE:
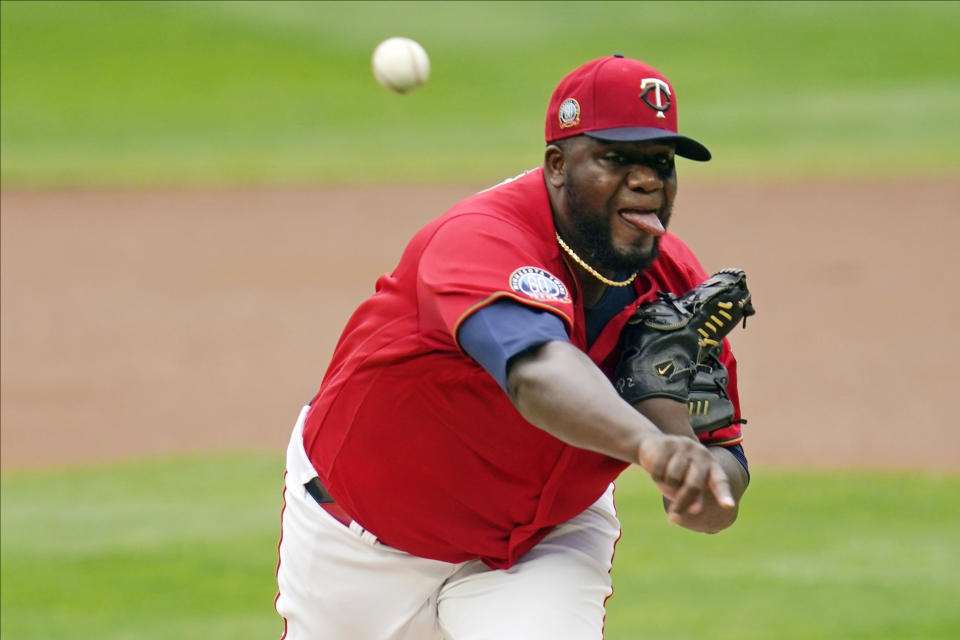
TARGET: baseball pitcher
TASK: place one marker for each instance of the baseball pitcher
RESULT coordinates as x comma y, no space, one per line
453,476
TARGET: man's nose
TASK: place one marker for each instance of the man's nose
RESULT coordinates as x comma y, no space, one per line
644,178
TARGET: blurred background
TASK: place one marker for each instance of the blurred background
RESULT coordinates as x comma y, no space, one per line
152,93
195,196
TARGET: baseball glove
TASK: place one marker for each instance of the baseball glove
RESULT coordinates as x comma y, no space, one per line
669,345
708,404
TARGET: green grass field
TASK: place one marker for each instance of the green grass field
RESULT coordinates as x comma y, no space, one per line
187,549
255,92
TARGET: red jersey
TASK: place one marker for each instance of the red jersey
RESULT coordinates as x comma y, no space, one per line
415,440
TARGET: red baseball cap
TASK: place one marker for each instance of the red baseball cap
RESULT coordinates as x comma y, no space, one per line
621,100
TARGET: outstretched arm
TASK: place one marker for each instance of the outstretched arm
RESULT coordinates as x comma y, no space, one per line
557,388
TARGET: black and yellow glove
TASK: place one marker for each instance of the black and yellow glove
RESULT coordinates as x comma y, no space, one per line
708,404
669,347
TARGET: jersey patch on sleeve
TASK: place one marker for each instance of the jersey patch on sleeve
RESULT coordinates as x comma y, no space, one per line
538,284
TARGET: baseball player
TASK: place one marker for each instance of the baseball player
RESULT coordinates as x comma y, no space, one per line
452,478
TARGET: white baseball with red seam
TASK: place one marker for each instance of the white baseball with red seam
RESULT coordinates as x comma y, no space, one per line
400,64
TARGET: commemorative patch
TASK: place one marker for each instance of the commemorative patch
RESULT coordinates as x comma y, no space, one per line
538,284
569,113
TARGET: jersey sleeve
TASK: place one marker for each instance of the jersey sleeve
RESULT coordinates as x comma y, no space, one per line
496,333
736,450
473,260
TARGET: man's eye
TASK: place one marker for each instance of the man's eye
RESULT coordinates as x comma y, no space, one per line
617,158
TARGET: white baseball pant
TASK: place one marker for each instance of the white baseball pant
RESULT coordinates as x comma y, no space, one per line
341,583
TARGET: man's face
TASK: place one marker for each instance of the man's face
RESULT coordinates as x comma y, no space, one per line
617,198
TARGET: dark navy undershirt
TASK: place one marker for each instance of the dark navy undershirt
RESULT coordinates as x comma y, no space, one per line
504,329
498,332
612,302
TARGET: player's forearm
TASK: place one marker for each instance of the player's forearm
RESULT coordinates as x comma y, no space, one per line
670,416
557,388
714,518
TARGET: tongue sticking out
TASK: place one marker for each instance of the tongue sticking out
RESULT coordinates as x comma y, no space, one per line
649,222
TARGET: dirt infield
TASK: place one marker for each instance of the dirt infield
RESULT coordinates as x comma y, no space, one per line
137,322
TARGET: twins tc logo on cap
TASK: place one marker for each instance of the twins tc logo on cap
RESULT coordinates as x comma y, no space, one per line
658,88
538,284
569,113
654,92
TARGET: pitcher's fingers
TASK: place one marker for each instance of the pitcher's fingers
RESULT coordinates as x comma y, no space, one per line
677,471
676,512
690,492
677,516
719,486
670,493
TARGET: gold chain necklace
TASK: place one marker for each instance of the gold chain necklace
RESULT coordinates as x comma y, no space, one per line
591,270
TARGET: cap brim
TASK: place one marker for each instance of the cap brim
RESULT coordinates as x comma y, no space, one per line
686,147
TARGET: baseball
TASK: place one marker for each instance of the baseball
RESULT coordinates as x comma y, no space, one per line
400,64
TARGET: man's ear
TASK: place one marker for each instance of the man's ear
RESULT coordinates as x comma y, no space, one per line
553,166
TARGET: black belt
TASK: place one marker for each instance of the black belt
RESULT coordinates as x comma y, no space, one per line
323,498
319,492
